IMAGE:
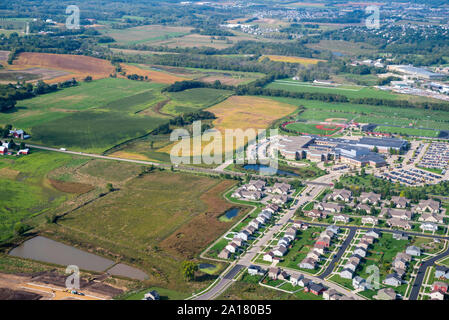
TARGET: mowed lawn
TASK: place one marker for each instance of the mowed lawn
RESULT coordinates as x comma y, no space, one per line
92,117
25,190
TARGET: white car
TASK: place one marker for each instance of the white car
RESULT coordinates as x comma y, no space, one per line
63,149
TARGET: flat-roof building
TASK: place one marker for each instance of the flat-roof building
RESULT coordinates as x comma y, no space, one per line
419,73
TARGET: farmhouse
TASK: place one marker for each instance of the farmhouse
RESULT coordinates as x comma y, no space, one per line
3,150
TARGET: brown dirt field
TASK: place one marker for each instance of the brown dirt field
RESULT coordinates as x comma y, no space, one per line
9,173
155,76
223,79
4,55
194,236
78,66
71,187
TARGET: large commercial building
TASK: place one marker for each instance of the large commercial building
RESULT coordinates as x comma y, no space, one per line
414,72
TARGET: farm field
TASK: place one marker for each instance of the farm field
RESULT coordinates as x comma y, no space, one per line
155,76
27,190
241,112
192,100
74,66
90,121
145,34
158,219
290,59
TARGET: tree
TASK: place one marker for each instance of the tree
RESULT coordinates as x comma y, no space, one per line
375,149
188,269
88,79
110,187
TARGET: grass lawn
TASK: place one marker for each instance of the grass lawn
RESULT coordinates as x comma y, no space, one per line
165,294
408,131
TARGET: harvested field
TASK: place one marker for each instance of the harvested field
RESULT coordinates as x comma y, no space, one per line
9,294
3,55
155,76
128,155
228,80
71,187
8,173
76,66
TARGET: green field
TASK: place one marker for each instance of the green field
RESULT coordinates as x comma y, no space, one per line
193,100
25,191
90,117
145,34
308,128
321,111
408,131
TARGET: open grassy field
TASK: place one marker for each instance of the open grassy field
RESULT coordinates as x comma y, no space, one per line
157,220
26,190
241,112
290,59
81,118
409,131
145,34
322,111
75,66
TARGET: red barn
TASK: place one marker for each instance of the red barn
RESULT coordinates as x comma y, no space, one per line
3,150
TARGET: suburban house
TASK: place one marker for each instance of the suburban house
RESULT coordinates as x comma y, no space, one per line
370,197
273,273
370,220
238,241
341,218
232,247
319,248
315,214
430,205
396,213
280,251
346,274
355,259
272,208
314,255
255,185
440,286
351,266
308,263
285,241
280,199
400,202
441,272
413,251
328,294
341,195
398,223
373,233
268,256
431,217
363,207
304,282
249,195
392,280
400,236
330,207
254,223
283,276
281,188
315,288
244,235
256,270
261,219
333,228
360,252
324,241
360,283
368,239
224,254
294,279
386,294
437,295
